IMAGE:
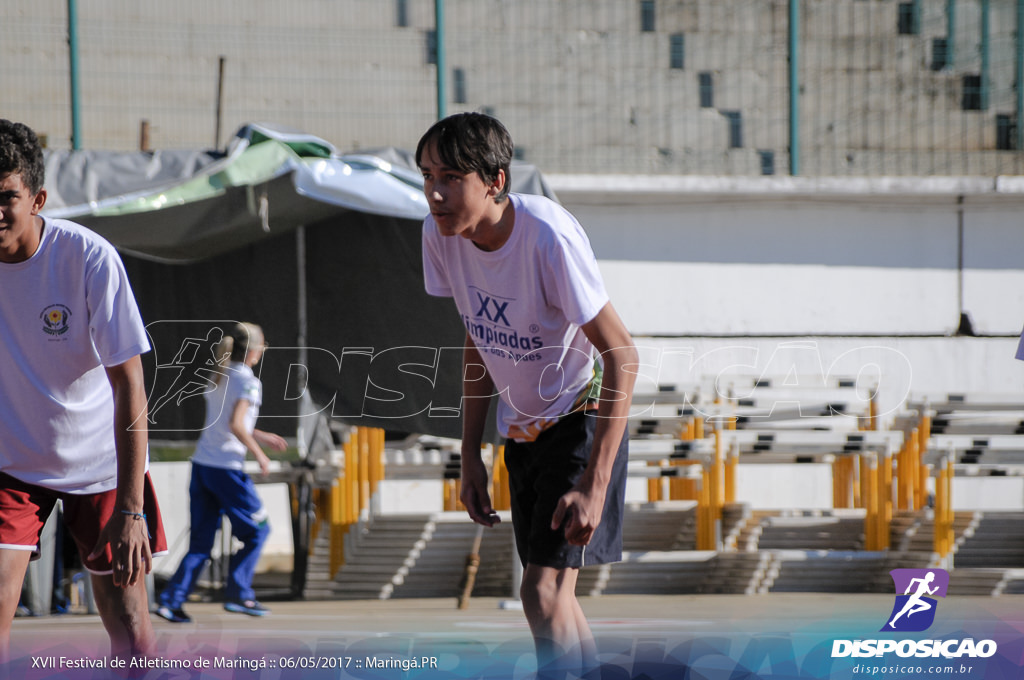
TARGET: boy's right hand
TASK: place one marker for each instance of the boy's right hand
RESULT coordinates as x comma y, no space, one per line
475,493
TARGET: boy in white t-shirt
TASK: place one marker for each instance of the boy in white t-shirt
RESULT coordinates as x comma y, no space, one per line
72,404
526,284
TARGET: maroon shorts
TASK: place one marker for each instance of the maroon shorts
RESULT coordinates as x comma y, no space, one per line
25,507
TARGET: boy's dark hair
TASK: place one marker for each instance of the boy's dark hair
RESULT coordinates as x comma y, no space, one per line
472,142
20,152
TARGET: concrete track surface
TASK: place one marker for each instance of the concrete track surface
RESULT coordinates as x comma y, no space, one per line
713,637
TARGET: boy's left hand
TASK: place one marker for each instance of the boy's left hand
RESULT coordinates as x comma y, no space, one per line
581,512
128,538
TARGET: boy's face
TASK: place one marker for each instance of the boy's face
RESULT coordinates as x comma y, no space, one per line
19,231
459,202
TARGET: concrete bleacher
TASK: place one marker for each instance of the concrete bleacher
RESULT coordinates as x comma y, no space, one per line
814,532
994,539
760,551
649,572
415,555
424,556
830,571
659,526
734,573
989,557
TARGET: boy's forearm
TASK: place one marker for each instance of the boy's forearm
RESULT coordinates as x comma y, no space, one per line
477,390
613,411
130,432
614,343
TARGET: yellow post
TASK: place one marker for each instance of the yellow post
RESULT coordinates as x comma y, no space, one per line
732,463
939,538
718,477
364,468
908,478
870,483
690,488
698,427
686,433
372,461
842,479
950,534
864,476
680,488
854,488
884,500
916,498
705,526
352,476
872,423
924,430
837,483
376,458
901,481
653,483
448,488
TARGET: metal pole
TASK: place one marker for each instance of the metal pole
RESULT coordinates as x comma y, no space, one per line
950,33
985,49
794,87
76,130
442,68
301,338
1020,75
220,101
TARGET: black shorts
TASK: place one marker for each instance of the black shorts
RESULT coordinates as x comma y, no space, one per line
540,473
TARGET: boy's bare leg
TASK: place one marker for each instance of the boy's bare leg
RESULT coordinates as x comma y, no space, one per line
125,615
13,564
588,646
560,630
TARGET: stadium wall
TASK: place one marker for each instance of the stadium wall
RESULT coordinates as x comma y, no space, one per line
712,256
916,279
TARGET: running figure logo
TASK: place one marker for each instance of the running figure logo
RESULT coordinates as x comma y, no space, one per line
190,373
914,610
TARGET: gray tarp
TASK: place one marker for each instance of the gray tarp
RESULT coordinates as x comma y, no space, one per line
211,237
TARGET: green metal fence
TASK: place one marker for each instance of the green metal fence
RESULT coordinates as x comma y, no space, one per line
709,87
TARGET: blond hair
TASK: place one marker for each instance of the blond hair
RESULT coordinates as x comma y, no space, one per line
237,342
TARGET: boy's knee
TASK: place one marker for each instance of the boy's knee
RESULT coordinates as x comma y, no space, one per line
541,594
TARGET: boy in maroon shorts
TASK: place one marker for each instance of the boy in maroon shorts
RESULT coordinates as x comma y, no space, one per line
72,403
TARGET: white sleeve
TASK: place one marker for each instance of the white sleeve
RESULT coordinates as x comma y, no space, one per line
251,391
574,281
114,321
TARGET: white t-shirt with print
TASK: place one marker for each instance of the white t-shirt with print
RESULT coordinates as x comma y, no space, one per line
217,446
523,305
65,314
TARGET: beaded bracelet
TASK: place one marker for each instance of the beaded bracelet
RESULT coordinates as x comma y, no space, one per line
138,515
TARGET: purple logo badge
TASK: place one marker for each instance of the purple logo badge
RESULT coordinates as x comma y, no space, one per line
916,590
